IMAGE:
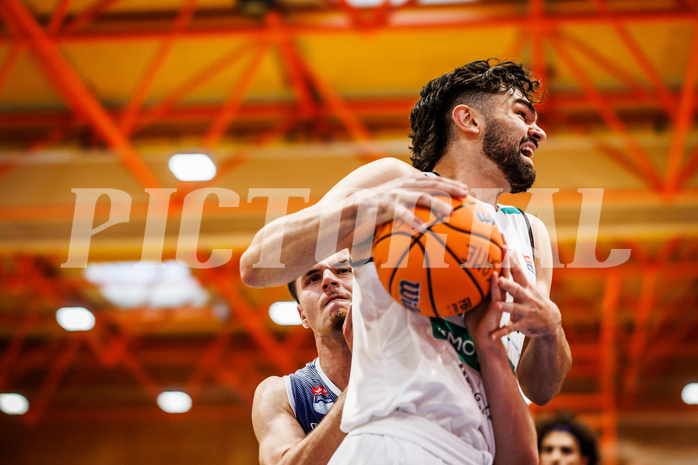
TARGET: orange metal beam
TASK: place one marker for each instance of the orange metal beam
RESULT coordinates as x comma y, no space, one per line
57,17
611,118
251,319
48,386
232,162
663,93
14,347
539,35
9,63
161,109
638,341
89,15
684,118
605,64
75,91
608,371
415,18
299,83
689,168
232,103
348,118
130,114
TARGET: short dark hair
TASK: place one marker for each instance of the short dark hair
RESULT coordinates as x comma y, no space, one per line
565,421
472,84
292,289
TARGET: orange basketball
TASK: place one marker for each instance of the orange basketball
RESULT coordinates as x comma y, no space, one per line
445,269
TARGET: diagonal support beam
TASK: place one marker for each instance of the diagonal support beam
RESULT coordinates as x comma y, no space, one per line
9,63
638,340
163,108
293,68
539,34
234,100
14,348
608,351
663,93
53,378
602,62
611,119
346,116
89,15
251,319
75,91
58,16
684,118
135,103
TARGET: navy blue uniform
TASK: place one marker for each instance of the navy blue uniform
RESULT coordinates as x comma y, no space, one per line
311,394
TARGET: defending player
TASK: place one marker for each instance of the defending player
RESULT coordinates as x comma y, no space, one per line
287,411
477,127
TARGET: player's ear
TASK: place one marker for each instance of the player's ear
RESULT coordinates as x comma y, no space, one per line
304,319
467,119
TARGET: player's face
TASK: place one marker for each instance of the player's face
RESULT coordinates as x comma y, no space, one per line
561,448
511,138
324,293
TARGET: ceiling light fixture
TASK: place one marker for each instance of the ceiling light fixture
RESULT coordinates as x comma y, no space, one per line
174,401
14,404
75,318
284,313
689,394
192,167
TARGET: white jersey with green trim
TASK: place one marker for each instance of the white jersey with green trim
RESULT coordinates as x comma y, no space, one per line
407,363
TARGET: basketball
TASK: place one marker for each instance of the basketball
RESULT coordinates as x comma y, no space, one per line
445,269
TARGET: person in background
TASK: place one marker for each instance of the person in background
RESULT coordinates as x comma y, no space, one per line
562,440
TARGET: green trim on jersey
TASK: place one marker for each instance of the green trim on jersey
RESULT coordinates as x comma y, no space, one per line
511,210
460,340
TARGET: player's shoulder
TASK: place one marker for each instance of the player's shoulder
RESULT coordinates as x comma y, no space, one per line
270,388
388,168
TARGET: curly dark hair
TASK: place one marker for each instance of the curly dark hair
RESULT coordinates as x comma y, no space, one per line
472,84
565,421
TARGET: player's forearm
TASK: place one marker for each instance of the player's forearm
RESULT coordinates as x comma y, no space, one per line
289,246
318,447
514,431
544,366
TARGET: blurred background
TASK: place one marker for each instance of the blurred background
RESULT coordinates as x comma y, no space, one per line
283,98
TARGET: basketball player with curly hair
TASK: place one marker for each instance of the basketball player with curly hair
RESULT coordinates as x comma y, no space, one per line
412,397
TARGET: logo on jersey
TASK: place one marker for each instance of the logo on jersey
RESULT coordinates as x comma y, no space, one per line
529,263
322,402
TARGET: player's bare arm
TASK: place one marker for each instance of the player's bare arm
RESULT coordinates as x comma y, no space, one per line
546,359
378,191
281,438
514,431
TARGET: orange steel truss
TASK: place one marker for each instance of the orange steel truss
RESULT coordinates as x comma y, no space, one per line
624,341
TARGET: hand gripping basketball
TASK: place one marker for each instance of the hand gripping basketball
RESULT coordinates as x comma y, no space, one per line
445,268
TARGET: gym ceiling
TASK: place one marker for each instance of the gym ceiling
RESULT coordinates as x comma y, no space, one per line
287,97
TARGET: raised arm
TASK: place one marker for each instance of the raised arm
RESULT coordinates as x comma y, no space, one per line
281,439
546,359
514,431
374,193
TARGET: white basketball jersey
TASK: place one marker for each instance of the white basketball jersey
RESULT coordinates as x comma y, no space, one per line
403,361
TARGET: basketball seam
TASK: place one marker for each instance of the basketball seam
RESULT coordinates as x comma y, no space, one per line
481,236
448,249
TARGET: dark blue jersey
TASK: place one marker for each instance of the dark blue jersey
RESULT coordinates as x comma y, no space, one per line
311,395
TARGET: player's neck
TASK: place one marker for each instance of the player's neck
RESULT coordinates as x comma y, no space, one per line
335,359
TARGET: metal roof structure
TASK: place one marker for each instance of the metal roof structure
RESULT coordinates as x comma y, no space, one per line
287,97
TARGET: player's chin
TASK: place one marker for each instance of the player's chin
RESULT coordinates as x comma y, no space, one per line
337,319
